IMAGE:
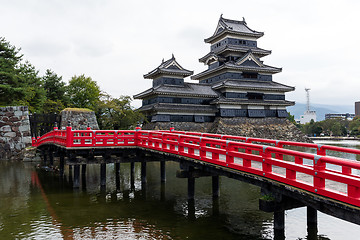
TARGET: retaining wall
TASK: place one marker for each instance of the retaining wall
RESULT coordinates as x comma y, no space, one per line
15,133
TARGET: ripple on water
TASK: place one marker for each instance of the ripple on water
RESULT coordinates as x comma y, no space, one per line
120,229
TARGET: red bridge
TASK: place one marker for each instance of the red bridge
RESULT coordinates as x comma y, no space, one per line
324,182
234,152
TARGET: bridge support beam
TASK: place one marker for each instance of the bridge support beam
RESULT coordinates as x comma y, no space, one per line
70,174
51,157
102,176
191,184
143,172
83,176
62,165
279,225
132,175
117,175
44,154
162,171
76,183
215,187
311,223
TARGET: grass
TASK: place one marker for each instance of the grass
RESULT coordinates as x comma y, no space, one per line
77,110
267,197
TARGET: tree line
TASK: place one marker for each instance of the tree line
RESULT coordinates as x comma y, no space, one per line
21,84
330,127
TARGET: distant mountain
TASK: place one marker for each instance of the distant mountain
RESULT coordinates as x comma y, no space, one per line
321,110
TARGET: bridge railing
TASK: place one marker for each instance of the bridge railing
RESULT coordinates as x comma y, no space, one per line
311,172
87,138
320,149
315,173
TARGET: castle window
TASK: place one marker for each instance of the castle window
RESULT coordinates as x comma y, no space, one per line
255,96
250,75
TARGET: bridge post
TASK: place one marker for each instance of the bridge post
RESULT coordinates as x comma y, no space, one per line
62,163
191,184
279,224
215,187
51,157
311,222
83,176
102,176
76,183
117,175
44,154
132,175
162,171
70,174
143,172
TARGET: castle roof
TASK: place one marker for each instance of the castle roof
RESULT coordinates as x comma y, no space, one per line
248,63
169,67
228,26
253,85
169,107
237,101
188,89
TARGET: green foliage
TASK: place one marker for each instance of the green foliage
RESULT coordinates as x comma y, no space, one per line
331,127
83,92
55,88
20,83
354,127
117,113
30,82
10,59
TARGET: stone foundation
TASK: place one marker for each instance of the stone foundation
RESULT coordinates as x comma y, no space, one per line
79,120
15,133
271,128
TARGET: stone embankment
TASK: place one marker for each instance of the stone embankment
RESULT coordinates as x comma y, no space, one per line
15,133
79,118
271,128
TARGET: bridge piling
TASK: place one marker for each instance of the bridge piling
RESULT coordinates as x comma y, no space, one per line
191,184
51,157
76,183
162,171
61,164
83,176
311,222
215,187
70,174
117,176
132,175
143,172
279,225
44,155
102,176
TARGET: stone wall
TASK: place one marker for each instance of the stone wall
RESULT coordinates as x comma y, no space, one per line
79,120
270,127
15,133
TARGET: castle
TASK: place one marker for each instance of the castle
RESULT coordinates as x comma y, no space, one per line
236,82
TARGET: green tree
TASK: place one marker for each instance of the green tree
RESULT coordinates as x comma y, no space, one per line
56,99
30,82
20,83
336,129
117,113
313,128
83,92
354,127
10,59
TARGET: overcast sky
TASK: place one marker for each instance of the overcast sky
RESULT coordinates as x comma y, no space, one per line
115,42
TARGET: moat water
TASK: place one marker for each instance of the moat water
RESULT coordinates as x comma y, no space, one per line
37,205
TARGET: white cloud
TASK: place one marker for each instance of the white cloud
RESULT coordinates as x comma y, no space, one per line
116,42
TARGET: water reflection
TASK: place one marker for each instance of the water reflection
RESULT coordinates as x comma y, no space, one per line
50,208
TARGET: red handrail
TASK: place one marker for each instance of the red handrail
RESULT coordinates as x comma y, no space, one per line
311,172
